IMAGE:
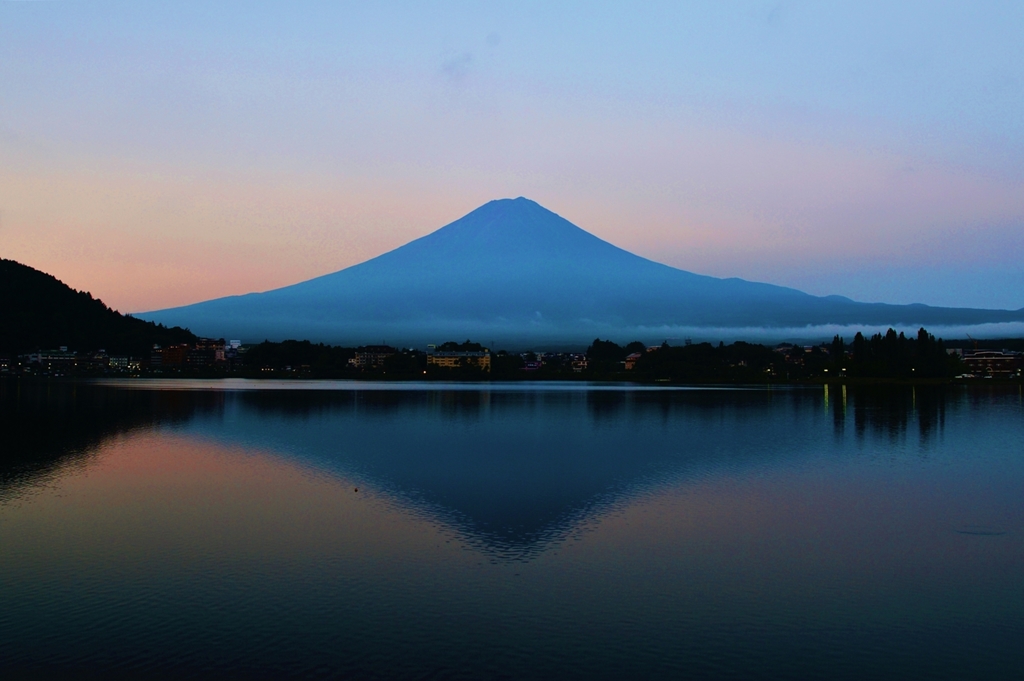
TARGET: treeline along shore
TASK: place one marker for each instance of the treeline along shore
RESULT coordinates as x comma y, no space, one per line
48,329
889,357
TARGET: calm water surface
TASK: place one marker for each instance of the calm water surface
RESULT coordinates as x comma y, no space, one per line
252,530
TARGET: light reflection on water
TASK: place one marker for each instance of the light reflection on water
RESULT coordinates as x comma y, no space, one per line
562,532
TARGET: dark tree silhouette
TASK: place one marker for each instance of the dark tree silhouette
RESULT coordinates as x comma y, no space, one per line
37,311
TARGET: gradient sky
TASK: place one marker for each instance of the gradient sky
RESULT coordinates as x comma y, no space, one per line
162,154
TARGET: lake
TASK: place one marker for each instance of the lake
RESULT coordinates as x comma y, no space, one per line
246,529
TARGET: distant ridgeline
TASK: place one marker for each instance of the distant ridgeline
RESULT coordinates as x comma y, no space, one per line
38,311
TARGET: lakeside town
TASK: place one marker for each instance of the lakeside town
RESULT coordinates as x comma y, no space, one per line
889,356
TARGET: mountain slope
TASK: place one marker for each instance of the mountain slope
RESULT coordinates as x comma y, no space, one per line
37,311
513,270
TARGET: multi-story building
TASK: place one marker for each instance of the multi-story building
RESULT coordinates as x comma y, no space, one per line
119,362
52,360
371,356
207,351
995,363
98,360
174,356
454,359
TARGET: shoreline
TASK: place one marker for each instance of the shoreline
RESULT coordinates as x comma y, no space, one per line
609,381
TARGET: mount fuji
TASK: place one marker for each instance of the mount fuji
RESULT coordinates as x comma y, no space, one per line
515,272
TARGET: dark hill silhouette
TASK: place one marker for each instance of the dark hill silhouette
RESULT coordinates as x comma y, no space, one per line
38,311
513,270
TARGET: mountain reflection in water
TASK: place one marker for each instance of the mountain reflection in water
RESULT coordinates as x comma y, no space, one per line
514,472
511,532
511,471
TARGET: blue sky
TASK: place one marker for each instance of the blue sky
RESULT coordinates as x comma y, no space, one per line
164,154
